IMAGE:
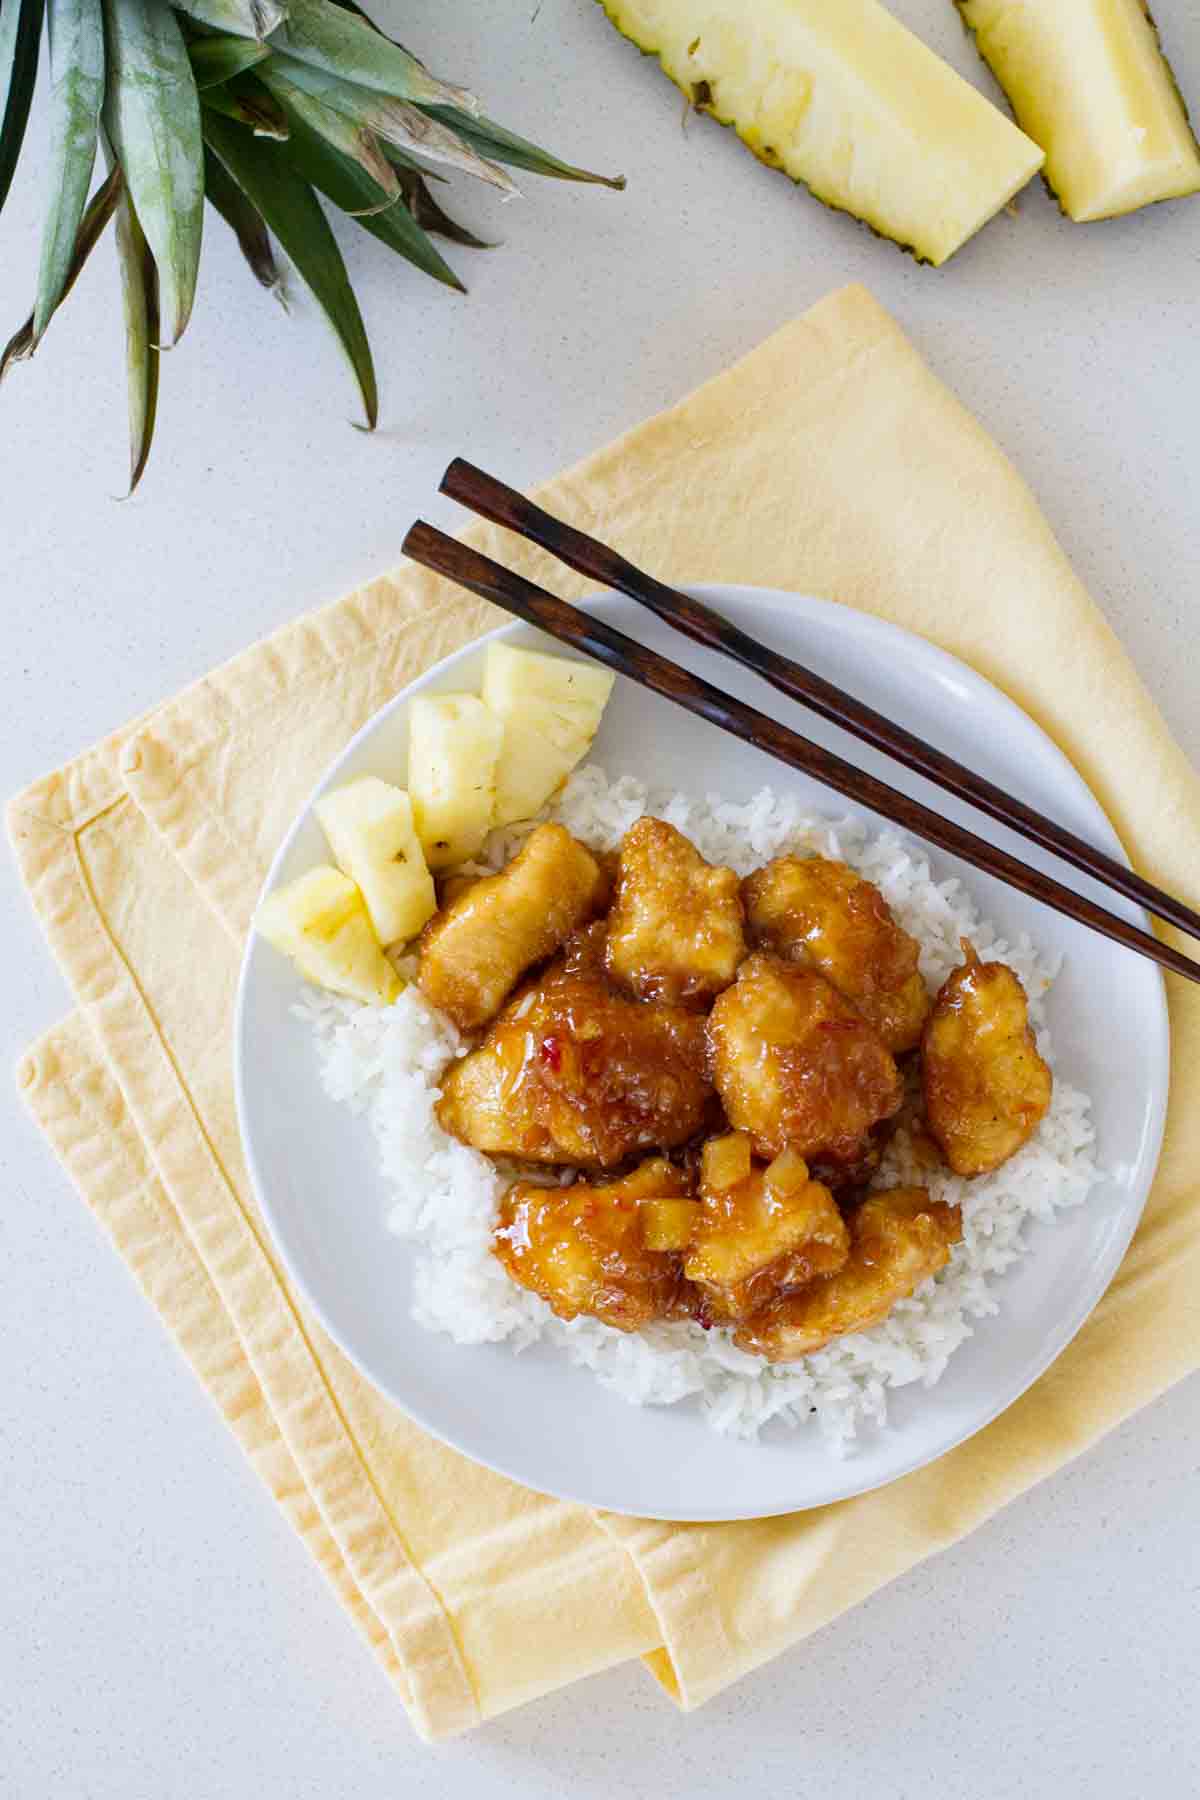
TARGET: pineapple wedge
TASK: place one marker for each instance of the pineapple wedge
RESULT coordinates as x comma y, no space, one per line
843,98
1089,82
321,922
551,710
369,824
453,746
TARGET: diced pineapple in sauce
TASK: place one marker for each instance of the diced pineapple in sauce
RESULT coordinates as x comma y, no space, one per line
369,825
668,1224
551,710
321,921
454,745
725,1161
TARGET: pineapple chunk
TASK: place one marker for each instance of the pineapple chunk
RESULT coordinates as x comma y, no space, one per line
321,922
841,96
668,1224
551,711
1088,81
529,771
369,825
560,699
453,747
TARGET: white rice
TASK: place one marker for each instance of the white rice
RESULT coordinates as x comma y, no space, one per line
386,1063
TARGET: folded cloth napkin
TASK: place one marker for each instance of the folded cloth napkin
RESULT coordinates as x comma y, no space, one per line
830,461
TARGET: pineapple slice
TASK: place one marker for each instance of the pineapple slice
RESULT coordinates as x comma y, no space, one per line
842,97
551,710
1088,81
369,825
321,922
453,747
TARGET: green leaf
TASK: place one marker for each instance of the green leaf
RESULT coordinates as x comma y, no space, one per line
91,228
353,140
244,18
76,32
152,116
267,175
139,289
244,220
506,147
325,35
248,101
217,59
396,121
20,35
343,182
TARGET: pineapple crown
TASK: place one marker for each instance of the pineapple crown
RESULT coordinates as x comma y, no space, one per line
257,107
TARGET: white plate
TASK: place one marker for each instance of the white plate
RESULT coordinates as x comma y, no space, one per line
554,1427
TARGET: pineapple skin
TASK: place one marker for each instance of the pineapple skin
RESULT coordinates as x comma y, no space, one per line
970,129
1037,51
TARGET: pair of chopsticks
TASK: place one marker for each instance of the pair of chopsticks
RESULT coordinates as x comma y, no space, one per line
493,500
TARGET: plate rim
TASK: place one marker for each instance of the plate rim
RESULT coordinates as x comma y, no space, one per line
851,620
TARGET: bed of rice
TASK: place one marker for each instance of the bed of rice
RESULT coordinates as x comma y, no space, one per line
385,1062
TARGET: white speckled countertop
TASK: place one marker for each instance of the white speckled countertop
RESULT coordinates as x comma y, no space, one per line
163,1635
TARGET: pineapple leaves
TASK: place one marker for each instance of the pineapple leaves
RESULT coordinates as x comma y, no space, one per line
244,220
244,18
506,147
217,59
152,116
250,104
91,229
353,140
20,36
343,182
76,32
268,176
396,121
431,216
139,289
328,37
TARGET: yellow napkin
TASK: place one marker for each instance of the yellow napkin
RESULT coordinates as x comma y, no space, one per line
829,461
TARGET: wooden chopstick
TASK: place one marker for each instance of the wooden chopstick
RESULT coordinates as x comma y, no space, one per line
494,500
480,575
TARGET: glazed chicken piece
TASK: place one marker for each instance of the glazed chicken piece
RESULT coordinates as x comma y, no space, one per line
760,1232
675,932
897,1239
986,1087
473,952
574,1072
582,1248
823,915
795,1064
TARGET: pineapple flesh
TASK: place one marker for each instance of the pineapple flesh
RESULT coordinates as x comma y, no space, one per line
369,825
321,922
1088,81
843,98
550,709
454,745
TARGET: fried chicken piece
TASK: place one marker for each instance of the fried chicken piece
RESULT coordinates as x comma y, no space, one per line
574,1072
581,1248
675,932
986,1087
473,952
897,1239
823,915
795,1064
761,1232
